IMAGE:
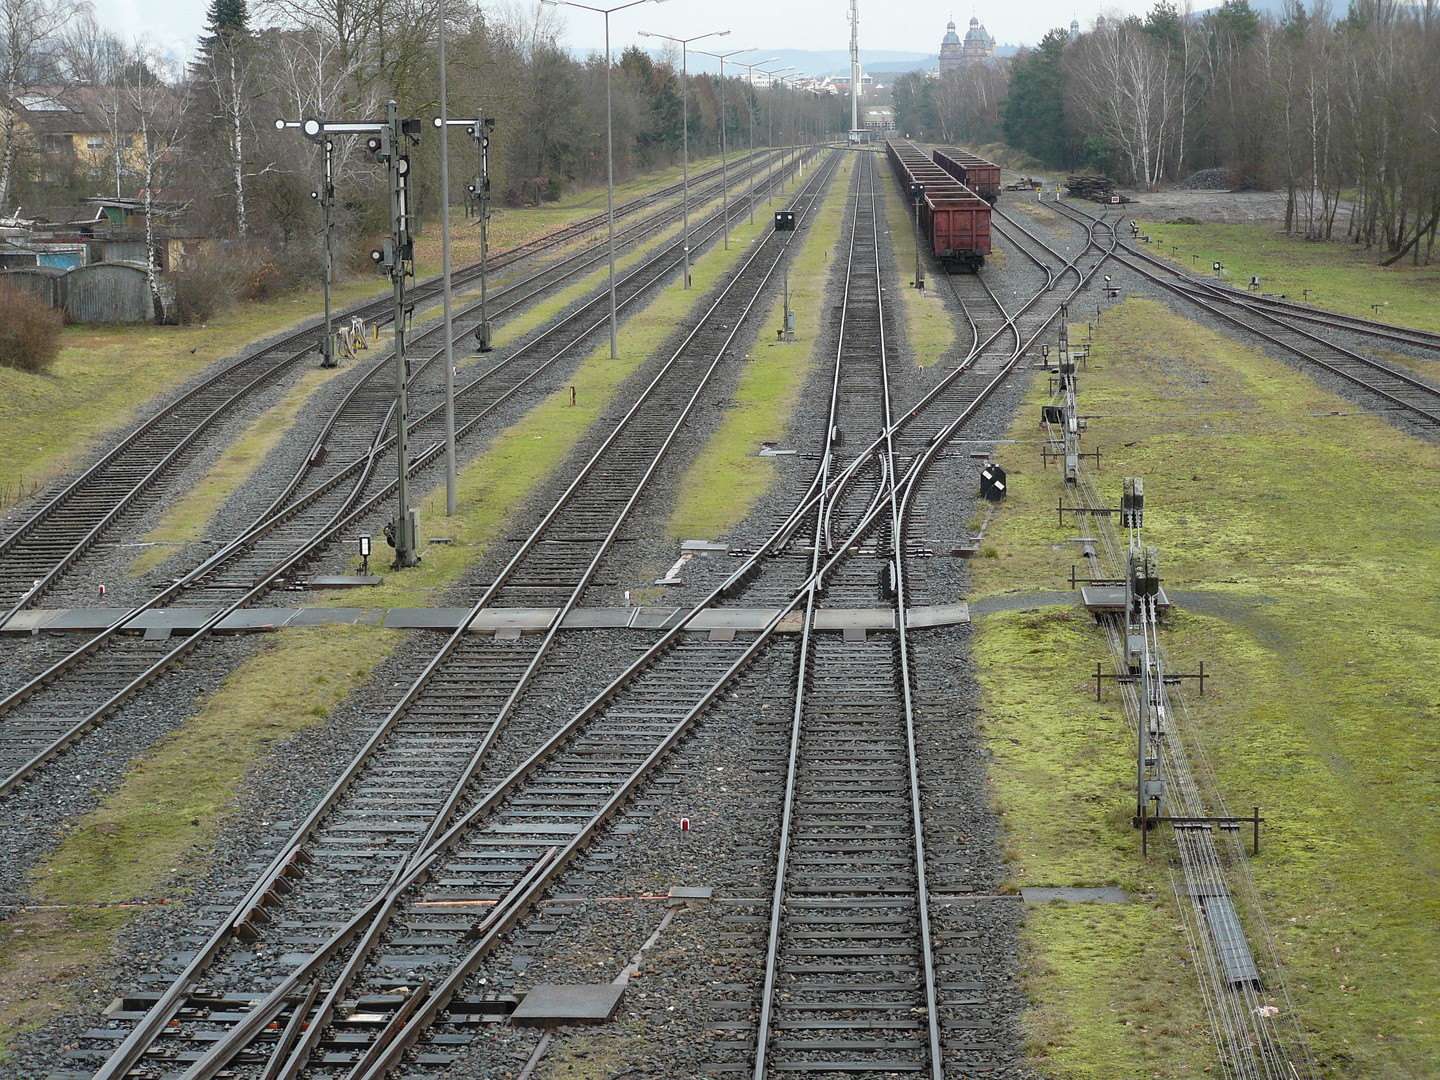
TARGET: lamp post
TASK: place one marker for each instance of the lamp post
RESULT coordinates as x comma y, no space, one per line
445,275
770,119
609,145
750,108
786,79
724,165
684,44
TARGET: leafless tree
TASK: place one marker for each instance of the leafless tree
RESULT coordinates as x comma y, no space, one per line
29,33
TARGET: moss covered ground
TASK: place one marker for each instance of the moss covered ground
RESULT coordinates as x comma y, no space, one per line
1302,536
728,478
145,838
50,422
1338,276
928,326
498,480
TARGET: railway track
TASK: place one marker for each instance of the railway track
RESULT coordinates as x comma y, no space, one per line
421,849
1396,390
57,533
60,704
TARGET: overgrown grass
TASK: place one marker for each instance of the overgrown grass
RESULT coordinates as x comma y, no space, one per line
153,830
928,326
1310,538
1340,276
186,521
49,422
516,225
497,481
726,480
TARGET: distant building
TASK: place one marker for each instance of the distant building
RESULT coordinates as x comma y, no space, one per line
978,47
1074,29
92,129
879,119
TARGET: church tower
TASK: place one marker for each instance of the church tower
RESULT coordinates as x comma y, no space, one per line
951,58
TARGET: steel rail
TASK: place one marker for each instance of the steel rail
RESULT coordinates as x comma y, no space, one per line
650,270
889,470
62,498
135,1044
405,874
503,790
1431,414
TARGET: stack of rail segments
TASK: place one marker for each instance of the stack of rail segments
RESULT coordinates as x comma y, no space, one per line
979,175
955,220
1099,189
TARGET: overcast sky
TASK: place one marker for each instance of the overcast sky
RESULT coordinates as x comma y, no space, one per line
906,26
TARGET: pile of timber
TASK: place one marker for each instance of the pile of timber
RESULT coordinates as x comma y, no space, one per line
1095,188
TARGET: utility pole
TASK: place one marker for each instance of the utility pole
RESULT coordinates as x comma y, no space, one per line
445,275
855,71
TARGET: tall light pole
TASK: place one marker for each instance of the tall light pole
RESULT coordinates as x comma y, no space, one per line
750,108
445,274
609,145
770,140
684,44
786,79
724,165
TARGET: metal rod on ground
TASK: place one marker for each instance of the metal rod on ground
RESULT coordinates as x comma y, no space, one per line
445,273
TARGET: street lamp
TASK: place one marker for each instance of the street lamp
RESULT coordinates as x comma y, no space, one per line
750,108
609,144
724,167
684,44
445,275
774,73
785,79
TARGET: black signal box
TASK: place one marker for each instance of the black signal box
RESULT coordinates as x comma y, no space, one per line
784,220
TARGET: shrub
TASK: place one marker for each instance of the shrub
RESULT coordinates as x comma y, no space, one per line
29,330
205,291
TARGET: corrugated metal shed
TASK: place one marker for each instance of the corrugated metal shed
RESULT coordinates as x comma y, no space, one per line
109,293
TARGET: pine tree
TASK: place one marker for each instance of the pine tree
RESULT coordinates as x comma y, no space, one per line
226,23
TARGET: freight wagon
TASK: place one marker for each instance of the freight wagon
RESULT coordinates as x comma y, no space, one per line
955,221
979,175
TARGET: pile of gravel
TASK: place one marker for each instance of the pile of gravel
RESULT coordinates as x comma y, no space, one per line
1209,180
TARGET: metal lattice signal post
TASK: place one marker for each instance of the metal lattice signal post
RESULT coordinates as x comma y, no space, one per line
386,140
479,129
313,130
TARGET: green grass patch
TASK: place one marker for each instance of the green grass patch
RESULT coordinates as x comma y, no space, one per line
49,422
727,479
171,804
1310,537
510,226
186,521
497,481
1340,276
929,327
157,825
